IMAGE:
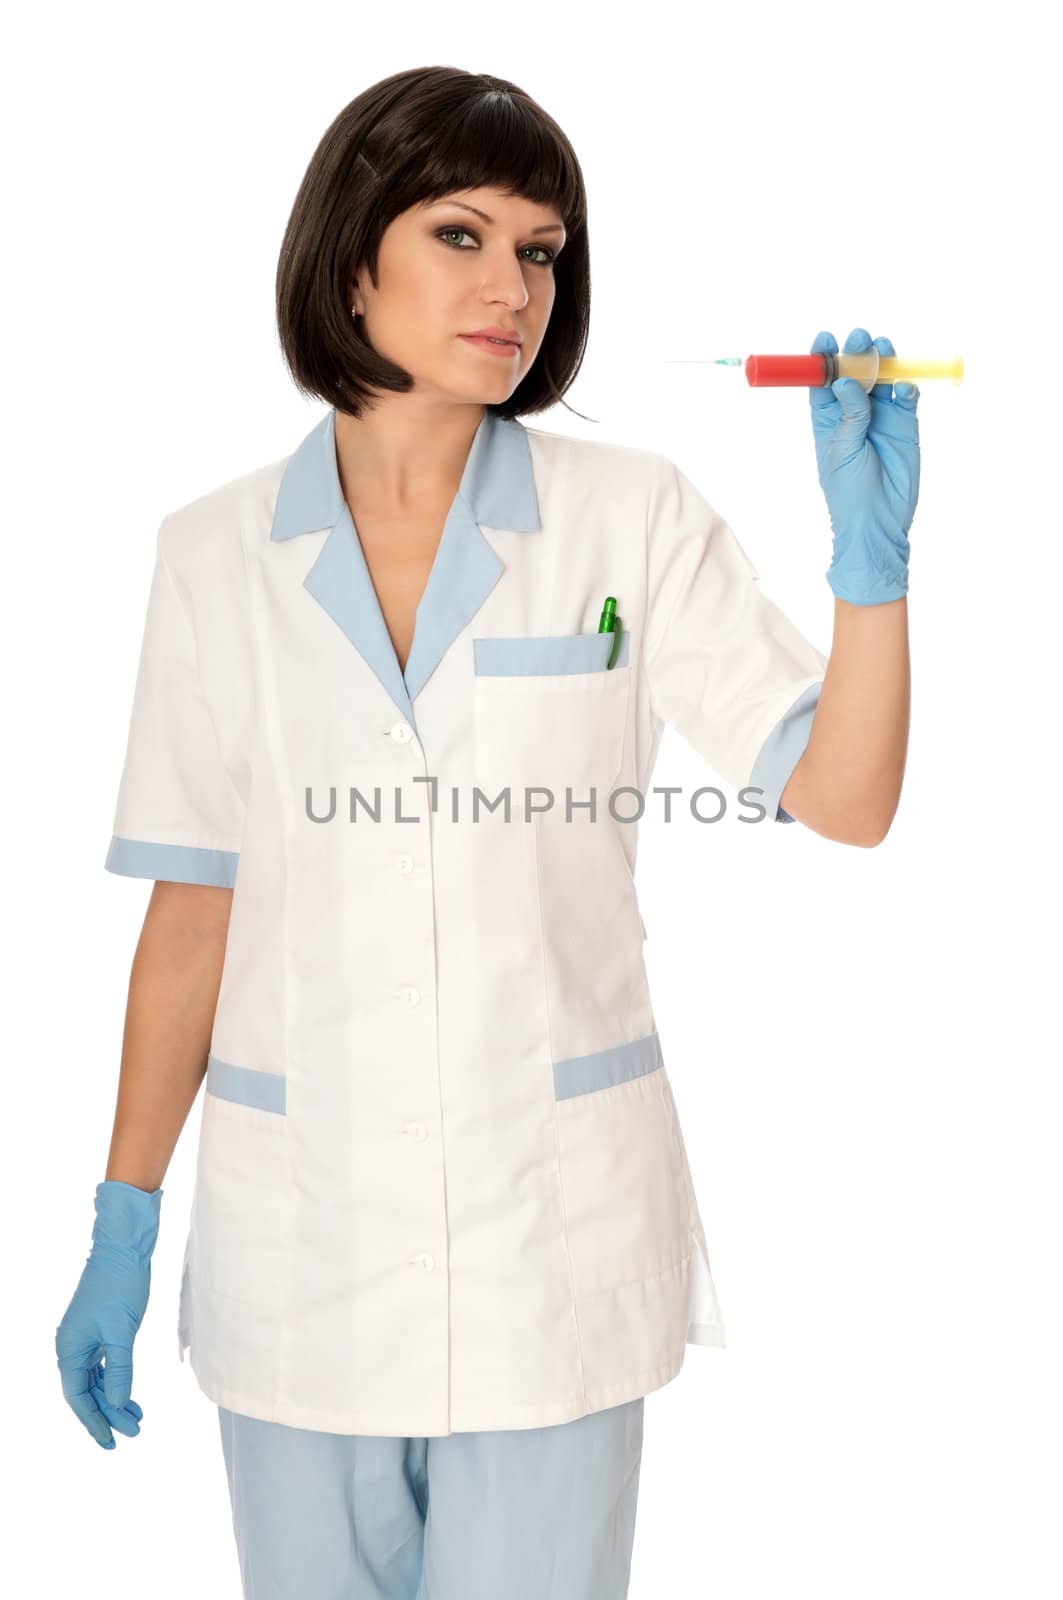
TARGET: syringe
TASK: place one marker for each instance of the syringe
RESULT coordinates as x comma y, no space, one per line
820,371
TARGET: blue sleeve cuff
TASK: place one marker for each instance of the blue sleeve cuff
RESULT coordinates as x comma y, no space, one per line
782,750
172,863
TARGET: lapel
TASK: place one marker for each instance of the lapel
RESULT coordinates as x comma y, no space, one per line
497,490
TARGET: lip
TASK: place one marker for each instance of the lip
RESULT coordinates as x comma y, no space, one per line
509,334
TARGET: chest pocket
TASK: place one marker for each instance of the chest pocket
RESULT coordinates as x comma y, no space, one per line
549,712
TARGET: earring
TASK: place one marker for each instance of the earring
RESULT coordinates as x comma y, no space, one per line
354,311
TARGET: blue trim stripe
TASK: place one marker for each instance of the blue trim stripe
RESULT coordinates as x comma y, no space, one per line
533,656
782,750
605,1068
246,1085
173,863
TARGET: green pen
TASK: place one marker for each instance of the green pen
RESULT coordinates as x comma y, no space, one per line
611,623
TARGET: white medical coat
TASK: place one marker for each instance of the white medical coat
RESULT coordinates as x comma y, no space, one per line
440,1181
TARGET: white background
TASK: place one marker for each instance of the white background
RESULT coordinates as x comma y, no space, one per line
860,1041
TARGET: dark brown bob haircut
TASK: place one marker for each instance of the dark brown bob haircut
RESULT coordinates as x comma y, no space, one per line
413,137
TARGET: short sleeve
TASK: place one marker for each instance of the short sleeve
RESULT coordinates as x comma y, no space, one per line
725,666
179,816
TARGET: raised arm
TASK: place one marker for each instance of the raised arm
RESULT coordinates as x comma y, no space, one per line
847,785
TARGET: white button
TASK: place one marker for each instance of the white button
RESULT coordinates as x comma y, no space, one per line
404,863
416,1130
410,995
401,732
425,1261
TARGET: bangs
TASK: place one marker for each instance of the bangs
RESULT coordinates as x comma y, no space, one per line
495,142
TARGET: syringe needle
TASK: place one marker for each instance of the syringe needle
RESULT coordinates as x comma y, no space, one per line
721,361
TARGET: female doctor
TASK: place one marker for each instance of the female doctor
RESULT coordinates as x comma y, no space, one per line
444,1238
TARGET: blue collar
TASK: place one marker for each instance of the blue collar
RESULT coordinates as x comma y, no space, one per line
497,490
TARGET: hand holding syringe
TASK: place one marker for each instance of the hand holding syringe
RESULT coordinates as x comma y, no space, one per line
867,451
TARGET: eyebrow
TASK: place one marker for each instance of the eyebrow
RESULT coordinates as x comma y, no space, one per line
549,227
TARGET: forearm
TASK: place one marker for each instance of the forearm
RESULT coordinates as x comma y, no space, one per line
173,993
847,784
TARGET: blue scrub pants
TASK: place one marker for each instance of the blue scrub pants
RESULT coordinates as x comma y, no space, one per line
519,1514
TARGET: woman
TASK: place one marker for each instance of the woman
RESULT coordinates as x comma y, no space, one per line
444,1238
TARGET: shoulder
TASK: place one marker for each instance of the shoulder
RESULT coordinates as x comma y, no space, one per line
624,479
214,529
600,462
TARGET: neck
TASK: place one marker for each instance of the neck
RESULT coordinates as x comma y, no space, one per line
401,456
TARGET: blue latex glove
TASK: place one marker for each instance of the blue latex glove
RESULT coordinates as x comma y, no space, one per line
101,1321
867,449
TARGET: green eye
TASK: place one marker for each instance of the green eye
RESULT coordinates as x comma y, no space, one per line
550,255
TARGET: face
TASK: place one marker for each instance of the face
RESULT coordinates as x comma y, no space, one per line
447,268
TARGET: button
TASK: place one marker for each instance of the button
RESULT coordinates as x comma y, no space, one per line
426,1262
401,732
404,864
410,995
416,1130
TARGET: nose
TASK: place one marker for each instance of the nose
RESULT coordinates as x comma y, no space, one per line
505,285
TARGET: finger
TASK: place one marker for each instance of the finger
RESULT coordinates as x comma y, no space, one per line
121,1419
856,409
907,396
883,391
855,406
117,1374
822,398
88,1412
